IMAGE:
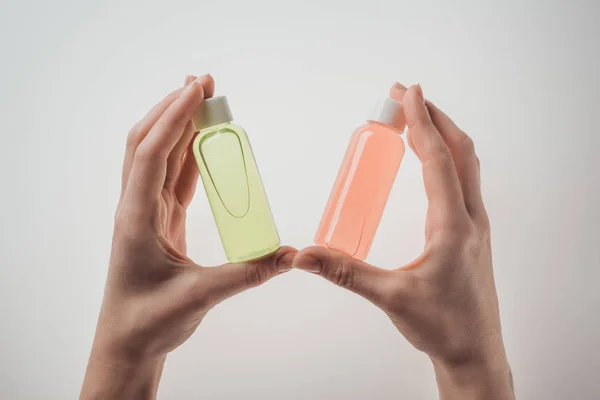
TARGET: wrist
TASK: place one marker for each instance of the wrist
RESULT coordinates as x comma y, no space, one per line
489,379
107,380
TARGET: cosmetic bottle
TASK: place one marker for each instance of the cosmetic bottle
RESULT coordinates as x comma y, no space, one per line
232,183
364,182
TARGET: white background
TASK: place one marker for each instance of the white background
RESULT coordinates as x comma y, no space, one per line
521,77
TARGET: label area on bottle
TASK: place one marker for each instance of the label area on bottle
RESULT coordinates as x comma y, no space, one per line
361,191
235,192
225,164
348,220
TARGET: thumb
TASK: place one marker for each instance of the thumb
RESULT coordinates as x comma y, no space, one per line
344,271
228,280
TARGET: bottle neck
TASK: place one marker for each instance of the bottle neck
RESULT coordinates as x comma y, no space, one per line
216,127
379,123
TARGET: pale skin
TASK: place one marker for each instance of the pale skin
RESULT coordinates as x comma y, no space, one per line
444,302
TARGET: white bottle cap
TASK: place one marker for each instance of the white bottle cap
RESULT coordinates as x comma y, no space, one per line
213,111
390,112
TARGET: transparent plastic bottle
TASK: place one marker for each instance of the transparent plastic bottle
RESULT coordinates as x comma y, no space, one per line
364,182
233,184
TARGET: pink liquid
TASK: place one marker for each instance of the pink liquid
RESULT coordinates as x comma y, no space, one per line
361,190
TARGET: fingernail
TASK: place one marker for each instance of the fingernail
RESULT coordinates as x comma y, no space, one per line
310,264
188,87
191,85
284,263
188,79
197,81
398,91
420,92
201,78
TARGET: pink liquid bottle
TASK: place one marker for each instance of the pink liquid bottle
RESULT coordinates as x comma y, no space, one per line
364,182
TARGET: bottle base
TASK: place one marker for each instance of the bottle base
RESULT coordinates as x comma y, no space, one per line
254,255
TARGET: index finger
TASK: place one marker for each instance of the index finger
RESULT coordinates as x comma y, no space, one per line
439,173
139,132
150,161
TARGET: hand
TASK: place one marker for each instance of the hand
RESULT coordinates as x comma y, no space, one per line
444,302
155,296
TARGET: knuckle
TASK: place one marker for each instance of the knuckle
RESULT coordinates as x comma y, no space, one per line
438,153
416,124
441,152
134,136
466,143
452,226
255,276
131,224
342,274
147,154
119,219
485,225
163,123
123,225
125,235
465,247
453,235
421,126
175,120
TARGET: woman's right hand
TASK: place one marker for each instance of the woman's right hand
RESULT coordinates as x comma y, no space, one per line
445,301
155,295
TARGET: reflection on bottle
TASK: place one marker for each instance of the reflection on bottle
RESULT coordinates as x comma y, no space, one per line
225,165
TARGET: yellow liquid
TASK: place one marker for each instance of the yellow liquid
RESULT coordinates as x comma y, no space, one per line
235,192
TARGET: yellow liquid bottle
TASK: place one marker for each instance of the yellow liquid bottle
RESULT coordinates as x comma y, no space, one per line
232,183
